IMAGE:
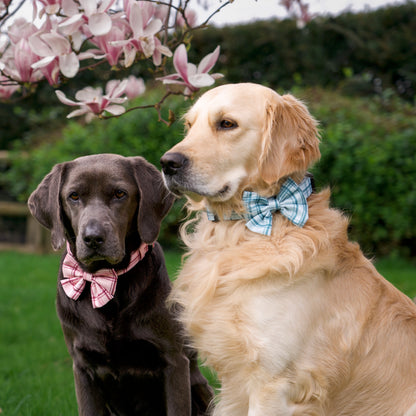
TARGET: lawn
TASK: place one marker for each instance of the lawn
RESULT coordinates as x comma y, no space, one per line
35,368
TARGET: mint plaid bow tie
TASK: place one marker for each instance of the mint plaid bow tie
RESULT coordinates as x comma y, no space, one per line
103,282
290,201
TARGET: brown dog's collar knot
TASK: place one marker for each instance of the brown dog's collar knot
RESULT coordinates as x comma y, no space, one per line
103,282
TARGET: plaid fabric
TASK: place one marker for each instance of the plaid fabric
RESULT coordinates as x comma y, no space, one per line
290,201
103,282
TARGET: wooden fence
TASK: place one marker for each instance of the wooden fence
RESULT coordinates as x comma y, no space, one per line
34,239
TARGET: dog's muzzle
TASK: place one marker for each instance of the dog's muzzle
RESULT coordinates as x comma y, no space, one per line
172,163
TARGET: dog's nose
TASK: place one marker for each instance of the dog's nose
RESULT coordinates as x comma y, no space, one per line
94,235
173,162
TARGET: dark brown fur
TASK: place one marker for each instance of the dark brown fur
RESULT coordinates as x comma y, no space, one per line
128,356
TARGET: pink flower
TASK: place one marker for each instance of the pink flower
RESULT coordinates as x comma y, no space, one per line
108,43
190,75
134,87
190,16
24,58
93,13
50,6
144,27
53,46
92,101
21,29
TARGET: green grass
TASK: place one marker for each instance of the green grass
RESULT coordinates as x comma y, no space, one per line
35,368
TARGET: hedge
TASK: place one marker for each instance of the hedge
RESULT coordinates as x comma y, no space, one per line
368,158
374,50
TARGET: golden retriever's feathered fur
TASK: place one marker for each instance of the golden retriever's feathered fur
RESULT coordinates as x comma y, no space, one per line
298,323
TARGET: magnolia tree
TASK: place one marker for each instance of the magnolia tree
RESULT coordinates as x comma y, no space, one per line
64,37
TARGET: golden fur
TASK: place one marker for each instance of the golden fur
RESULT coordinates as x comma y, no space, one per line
298,323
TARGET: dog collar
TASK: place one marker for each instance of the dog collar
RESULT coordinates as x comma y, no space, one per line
291,201
103,282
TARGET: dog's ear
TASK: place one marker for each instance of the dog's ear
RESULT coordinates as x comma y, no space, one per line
44,204
290,141
155,199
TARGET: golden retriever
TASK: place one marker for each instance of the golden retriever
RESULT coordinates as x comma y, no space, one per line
298,322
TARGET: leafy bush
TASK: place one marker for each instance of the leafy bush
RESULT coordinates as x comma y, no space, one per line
368,159
378,45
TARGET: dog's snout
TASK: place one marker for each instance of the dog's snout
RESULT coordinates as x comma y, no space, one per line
173,162
94,235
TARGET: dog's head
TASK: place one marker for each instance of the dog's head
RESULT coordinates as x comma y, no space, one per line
103,205
240,136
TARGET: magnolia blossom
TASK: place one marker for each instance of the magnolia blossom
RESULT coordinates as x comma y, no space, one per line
120,31
93,14
54,47
134,87
190,75
144,27
109,43
190,16
91,100
21,68
50,6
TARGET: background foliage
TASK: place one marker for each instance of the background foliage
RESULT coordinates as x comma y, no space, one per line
356,73
368,158
374,51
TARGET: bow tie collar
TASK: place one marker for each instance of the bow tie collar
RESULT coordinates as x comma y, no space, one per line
291,201
103,282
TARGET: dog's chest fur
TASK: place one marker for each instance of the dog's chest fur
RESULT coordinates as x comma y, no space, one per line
238,310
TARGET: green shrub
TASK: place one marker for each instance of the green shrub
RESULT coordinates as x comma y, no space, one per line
377,44
368,158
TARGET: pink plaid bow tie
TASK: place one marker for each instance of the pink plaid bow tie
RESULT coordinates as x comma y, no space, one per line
103,282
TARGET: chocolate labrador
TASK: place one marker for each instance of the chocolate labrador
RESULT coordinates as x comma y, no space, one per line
129,357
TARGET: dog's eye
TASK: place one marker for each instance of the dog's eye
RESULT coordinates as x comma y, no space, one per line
73,196
119,194
227,124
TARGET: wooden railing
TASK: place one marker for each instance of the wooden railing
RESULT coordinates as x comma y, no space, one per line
36,238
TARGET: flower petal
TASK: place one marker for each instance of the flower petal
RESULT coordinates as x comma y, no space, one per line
43,62
148,46
72,24
115,88
78,112
136,20
69,64
58,44
62,98
201,80
38,46
180,61
115,110
129,55
89,6
162,49
89,94
100,24
209,61
153,27
69,7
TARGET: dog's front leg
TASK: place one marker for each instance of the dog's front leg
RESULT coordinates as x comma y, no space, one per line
284,398
270,398
90,402
178,387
